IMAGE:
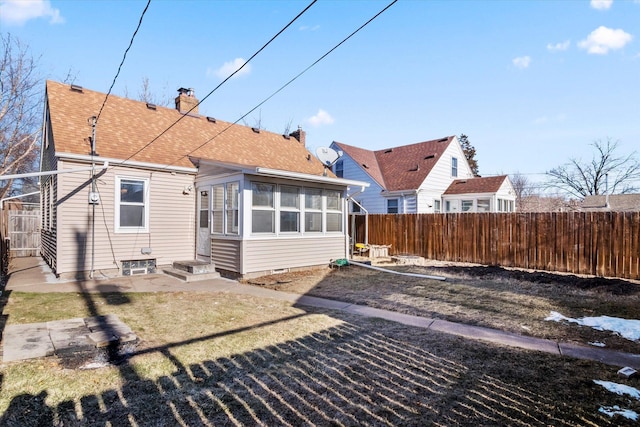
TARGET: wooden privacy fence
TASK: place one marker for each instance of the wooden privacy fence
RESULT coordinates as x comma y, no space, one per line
22,228
595,243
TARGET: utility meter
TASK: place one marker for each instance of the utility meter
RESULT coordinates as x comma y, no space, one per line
94,198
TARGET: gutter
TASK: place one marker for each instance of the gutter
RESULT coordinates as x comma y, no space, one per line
305,177
120,162
105,165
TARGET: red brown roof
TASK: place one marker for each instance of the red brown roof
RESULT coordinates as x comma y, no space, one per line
399,168
126,126
490,184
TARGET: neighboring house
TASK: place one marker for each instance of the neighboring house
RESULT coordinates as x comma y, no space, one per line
415,178
612,202
249,200
490,194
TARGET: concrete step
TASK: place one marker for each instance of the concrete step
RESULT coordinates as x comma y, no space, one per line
195,266
190,277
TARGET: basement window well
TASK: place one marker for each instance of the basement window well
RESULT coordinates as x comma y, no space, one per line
142,266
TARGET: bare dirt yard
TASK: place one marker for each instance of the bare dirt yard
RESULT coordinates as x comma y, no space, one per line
506,299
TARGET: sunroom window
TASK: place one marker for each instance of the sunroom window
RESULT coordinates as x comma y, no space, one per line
334,211
263,209
289,209
313,210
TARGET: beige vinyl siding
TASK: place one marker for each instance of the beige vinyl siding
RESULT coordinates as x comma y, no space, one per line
171,233
226,254
48,235
276,254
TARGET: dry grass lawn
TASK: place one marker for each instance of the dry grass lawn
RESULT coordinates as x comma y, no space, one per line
221,359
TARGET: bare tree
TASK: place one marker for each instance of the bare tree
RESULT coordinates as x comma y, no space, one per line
145,94
607,171
521,185
20,111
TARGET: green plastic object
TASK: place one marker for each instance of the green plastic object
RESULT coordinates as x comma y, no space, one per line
341,262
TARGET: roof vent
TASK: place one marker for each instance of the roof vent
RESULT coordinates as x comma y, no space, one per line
76,88
443,140
417,168
461,181
211,119
151,106
256,130
285,136
430,156
390,150
365,166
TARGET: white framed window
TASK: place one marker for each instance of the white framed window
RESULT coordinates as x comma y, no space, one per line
132,205
454,166
263,212
355,207
232,210
483,205
289,209
313,210
467,205
392,206
436,206
334,211
217,209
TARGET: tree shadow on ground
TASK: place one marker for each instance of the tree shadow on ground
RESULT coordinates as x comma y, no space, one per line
349,374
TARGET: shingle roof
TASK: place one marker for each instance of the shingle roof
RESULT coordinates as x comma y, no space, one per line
400,168
126,126
489,184
617,202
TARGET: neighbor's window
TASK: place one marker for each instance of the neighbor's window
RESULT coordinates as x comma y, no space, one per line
392,206
334,211
483,205
454,166
355,207
436,206
313,210
339,169
132,205
289,209
467,205
263,210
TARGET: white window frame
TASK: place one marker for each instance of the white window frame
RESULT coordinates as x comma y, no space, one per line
232,209
145,203
454,167
337,211
436,206
310,210
466,202
264,208
289,209
483,203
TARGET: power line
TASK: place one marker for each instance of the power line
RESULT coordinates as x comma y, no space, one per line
223,82
123,59
286,84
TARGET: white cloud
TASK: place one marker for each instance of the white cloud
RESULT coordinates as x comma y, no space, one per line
559,46
522,61
321,118
309,28
603,39
229,67
17,12
601,4
558,118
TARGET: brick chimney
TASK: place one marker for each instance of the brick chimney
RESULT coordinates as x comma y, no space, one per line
300,135
186,100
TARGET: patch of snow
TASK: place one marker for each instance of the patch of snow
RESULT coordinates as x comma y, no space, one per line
94,365
598,344
615,410
526,328
620,389
626,328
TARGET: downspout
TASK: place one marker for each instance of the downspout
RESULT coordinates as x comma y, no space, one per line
16,197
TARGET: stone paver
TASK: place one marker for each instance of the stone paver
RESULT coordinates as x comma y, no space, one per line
26,341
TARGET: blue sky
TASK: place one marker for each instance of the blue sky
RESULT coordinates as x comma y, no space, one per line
532,83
